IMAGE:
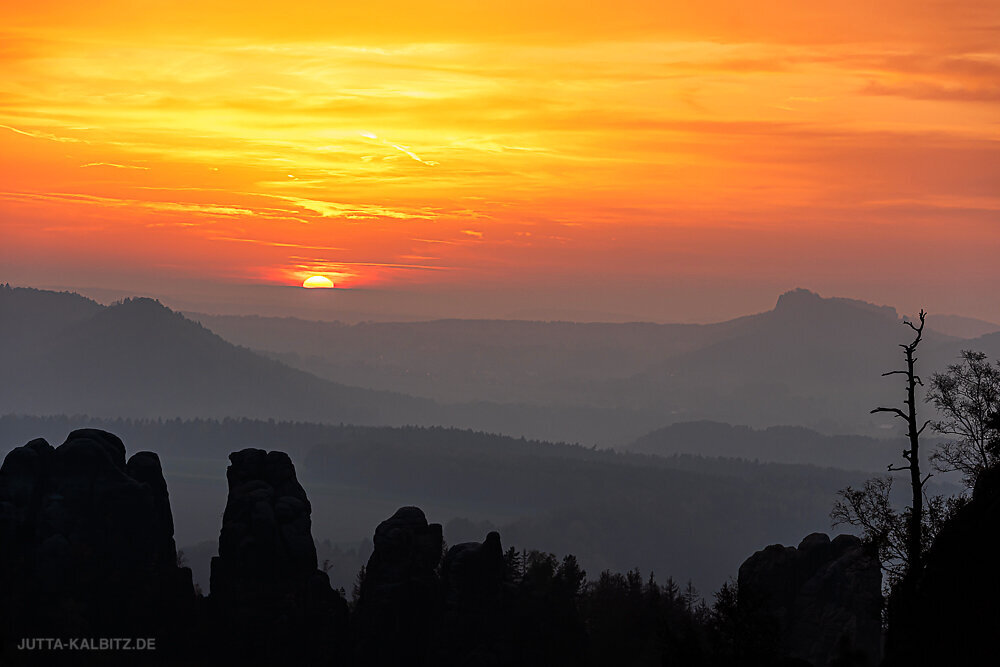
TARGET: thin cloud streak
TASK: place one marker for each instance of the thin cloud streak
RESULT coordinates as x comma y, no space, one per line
113,165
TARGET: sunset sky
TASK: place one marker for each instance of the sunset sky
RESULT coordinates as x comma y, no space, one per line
658,159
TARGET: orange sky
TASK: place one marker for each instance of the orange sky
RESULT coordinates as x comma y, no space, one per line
619,149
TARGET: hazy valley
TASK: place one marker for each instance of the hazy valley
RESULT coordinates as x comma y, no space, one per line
685,493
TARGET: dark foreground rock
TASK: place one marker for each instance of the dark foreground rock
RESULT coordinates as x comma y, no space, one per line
269,602
824,597
87,551
87,547
474,625
400,601
950,613
467,609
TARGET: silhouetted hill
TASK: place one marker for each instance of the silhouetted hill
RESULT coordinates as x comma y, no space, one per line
811,361
30,315
462,360
962,327
776,444
805,339
988,343
138,358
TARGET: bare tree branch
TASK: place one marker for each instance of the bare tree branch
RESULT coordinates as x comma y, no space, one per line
895,411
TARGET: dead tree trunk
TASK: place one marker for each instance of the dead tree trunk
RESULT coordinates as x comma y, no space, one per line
914,539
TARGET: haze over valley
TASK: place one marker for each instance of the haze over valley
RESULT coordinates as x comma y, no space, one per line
695,444
521,334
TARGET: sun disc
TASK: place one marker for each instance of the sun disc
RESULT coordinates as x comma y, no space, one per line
312,282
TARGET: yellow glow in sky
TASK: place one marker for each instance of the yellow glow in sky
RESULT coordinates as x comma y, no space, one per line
445,142
313,282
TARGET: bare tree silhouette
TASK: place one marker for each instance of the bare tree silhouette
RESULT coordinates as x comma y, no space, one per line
900,537
912,455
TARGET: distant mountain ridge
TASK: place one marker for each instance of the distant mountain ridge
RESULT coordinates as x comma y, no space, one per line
775,444
138,358
800,298
963,327
811,361
66,354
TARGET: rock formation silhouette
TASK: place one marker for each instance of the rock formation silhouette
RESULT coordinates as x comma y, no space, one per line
86,545
474,624
87,550
400,601
269,602
824,595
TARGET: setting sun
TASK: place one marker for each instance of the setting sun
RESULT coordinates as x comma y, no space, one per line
313,282
504,152
637,285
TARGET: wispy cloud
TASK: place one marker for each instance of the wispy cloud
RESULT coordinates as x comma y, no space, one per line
653,126
115,202
329,209
42,135
402,149
273,244
113,165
